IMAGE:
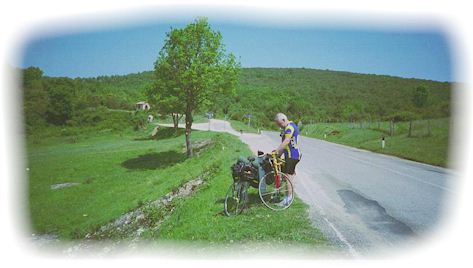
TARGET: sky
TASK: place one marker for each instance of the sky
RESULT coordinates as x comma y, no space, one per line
118,51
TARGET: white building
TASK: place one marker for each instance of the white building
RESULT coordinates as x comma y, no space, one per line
142,105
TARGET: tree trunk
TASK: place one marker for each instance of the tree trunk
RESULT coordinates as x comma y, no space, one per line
175,120
188,134
410,129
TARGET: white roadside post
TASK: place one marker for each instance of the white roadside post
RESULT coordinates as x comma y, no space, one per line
248,116
383,143
209,116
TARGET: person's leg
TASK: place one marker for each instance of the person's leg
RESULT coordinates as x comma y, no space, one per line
290,171
290,186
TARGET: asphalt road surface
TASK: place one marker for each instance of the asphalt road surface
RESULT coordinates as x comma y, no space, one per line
363,201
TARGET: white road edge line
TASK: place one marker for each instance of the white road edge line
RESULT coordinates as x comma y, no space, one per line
339,235
342,238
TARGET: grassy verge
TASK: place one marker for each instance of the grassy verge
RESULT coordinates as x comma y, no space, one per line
201,217
421,147
118,172
115,172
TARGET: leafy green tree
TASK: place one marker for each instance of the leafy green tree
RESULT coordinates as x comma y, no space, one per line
60,105
35,97
191,70
139,119
162,101
420,97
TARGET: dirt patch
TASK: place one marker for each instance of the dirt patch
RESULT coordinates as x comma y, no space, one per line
334,132
44,239
63,185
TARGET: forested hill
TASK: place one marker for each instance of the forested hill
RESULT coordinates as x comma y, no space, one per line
304,94
324,95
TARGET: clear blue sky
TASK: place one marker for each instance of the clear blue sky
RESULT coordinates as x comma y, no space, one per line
417,54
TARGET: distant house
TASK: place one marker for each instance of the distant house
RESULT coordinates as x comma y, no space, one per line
142,106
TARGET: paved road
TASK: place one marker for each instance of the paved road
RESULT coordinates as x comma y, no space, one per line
363,201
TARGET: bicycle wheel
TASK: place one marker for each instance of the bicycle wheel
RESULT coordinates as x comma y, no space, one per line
276,192
235,200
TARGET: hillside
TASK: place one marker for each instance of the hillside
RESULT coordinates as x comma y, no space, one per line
329,96
309,95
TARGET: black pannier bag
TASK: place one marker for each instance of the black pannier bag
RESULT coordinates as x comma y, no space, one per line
251,169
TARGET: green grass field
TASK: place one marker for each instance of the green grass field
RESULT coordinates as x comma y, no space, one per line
119,172
419,147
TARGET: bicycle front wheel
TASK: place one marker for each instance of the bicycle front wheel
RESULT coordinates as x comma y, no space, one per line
276,191
235,200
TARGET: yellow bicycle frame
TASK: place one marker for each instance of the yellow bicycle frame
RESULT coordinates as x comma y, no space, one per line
277,163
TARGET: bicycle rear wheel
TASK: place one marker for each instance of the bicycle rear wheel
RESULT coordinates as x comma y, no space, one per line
236,198
276,192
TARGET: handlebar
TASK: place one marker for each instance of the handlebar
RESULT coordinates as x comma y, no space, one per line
272,155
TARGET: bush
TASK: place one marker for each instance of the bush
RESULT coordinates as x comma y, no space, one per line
139,119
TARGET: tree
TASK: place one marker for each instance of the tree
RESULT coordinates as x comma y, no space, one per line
191,70
35,97
408,116
164,103
60,103
420,97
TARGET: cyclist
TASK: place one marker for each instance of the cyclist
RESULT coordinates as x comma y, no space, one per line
288,147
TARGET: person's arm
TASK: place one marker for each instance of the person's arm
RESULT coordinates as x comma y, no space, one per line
288,132
283,145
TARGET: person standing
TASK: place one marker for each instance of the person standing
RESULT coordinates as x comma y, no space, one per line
289,147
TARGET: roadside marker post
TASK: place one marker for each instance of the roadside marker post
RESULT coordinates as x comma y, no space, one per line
248,116
210,115
383,143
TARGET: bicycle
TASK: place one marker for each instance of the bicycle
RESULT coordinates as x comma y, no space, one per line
275,188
